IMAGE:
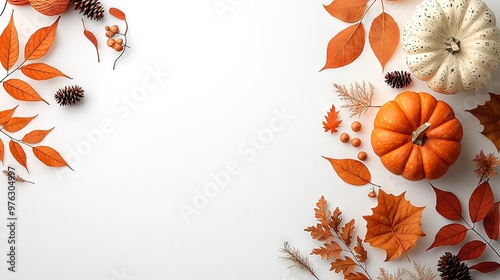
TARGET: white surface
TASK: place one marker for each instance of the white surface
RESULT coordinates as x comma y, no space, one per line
118,215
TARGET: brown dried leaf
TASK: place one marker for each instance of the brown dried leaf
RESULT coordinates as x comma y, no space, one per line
356,276
394,225
336,220
320,232
345,266
361,253
40,42
489,116
9,45
346,233
321,212
351,171
330,250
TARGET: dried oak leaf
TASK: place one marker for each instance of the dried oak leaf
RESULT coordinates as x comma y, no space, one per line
356,276
489,116
345,266
336,220
321,212
332,121
351,171
347,10
320,232
347,231
328,251
394,225
384,37
361,253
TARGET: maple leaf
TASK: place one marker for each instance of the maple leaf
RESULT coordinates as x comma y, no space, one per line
394,225
489,116
332,121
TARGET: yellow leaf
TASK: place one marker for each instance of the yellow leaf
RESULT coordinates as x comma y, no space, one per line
384,37
41,71
345,47
40,42
9,45
21,90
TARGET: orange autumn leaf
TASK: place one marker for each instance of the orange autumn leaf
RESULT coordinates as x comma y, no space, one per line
17,123
336,220
346,232
361,253
491,222
36,136
356,276
92,39
21,90
451,234
2,151
320,232
6,115
49,157
18,153
471,250
40,42
9,45
345,266
330,250
321,213
488,116
486,267
117,13
332,121
384,37
347,10
345,47
480,202
41,71
351,171
394,225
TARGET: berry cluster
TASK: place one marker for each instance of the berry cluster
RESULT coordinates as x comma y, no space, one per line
355,142
116,44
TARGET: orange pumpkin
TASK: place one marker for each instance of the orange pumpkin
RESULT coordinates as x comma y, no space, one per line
417,136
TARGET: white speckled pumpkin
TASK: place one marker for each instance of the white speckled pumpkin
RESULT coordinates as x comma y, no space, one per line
453,45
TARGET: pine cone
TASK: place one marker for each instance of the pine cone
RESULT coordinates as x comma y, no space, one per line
90,8
69,95
398,79
452,269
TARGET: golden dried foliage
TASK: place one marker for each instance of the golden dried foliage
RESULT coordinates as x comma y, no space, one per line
358,97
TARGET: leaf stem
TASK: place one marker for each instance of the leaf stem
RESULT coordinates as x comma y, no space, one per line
14,139
484,239
124,43
358,263
3,9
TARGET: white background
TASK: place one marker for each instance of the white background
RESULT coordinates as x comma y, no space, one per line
145,145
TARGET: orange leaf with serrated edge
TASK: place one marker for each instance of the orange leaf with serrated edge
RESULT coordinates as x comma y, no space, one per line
488,115
321,213
117,13
2,151
471,250
332,121
361,253
486,267
92,39
491,222
448,204
18,153
17,123
36,136
336,220
356,276
320,232
451,234
394,225
480,202
346,266
9,45
330,250
347,10
6,115
40,42
49,156
384,37
346,233
21,90
351,171
345,47
41,71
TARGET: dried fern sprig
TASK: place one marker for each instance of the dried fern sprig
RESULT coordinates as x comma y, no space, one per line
358,97
17,178
298,261
421,272
385,275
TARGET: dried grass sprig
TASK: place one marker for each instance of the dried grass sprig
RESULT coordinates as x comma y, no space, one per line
385,275
17,178
421,272
358,97
298,261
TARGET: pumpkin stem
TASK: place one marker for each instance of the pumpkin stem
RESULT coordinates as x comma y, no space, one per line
453,45
418,136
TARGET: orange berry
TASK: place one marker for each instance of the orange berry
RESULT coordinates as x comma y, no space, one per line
117,47
362,155
372,194
114,29
109,34
111,42
106,28
356,142
356,126
344,137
